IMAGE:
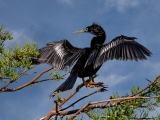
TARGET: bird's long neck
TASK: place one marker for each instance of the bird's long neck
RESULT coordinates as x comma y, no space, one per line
98,40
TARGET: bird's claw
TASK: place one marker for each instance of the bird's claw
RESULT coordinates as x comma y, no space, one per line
99,84
103,89
90,83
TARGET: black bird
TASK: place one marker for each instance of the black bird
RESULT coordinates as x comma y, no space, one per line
89,60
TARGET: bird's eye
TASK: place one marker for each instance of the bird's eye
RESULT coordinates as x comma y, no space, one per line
86,29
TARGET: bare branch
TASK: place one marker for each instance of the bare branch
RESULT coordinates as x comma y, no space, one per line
4,89
79,111
93,105
56,110
127,98
99,90
52,112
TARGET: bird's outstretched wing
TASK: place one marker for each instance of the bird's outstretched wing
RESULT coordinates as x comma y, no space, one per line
121,48
59,54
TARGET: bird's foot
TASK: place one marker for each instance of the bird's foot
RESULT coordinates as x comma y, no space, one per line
90,83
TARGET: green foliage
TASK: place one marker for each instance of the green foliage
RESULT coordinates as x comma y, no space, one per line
59,98
12,62
134,89
131,108
96,114
4,35
56,76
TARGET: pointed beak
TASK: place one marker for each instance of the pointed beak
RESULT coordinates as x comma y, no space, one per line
79,31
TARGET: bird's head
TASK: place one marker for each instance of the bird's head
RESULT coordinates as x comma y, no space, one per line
94,29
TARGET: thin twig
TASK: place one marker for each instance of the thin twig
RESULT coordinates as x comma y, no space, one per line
127,98
57,113
99,90
158,77
79,111
39,81
71,95
4,87
22,73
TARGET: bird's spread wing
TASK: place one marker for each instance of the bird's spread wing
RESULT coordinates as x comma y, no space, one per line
59,54
121,48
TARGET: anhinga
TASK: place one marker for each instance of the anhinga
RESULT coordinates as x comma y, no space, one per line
89,60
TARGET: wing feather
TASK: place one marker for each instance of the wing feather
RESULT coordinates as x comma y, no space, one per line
60,54
128,52
122,48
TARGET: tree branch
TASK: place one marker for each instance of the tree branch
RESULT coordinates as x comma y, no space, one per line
4,89
52,112
153,82
79,111
99,90
11,81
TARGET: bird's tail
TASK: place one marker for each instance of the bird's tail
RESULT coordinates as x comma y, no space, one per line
66,85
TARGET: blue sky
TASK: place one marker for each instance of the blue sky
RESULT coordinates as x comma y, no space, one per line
51,20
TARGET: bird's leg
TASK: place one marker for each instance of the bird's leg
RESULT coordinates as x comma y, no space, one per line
85,82
90,82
